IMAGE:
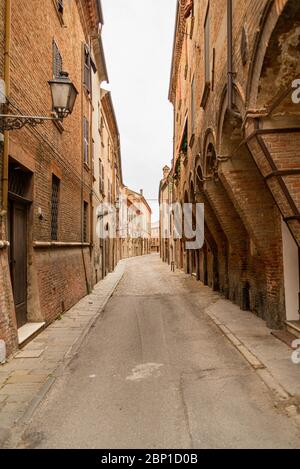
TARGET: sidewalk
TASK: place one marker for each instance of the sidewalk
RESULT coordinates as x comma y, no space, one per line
270,357
28,376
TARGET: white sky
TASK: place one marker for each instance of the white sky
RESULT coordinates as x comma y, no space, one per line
138,40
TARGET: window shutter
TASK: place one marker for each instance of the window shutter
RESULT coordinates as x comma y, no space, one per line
57,61
60,6
87,68
100,176
103,188
86,140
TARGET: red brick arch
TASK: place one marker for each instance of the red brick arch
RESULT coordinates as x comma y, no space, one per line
269,19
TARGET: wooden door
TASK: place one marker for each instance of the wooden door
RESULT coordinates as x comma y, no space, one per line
18,258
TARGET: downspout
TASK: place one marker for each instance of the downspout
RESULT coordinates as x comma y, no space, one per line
230,72
7,92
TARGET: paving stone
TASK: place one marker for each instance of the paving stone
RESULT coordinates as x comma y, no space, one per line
4,436
30,353
31,378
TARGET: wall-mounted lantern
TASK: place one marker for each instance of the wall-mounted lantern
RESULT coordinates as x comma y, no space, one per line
63,93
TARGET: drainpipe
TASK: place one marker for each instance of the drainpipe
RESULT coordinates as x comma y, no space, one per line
230,72
7,92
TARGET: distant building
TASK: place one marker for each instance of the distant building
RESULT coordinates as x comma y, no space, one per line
136,228
155,241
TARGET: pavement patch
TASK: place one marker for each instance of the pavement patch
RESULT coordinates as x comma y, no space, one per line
145,371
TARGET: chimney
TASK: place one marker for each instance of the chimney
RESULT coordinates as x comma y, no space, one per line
142,192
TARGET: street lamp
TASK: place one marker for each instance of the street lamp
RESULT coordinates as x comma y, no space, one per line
63,93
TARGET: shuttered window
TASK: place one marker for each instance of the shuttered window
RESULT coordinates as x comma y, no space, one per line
57,61
207,46
54,207
85,140
108,191
193,97
87,69
60,6
103,180
101,177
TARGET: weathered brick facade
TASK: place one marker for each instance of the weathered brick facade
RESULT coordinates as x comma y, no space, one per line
237,135
58,266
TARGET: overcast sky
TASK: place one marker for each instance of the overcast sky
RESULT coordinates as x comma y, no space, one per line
138,40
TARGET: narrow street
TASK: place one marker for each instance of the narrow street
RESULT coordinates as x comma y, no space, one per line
156,372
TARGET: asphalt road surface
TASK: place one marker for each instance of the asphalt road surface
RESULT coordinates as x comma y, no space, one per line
155,372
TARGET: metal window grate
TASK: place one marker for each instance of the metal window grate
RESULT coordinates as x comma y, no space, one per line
85,221
54,208
17,182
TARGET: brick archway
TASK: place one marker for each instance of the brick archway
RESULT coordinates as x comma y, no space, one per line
235,258
246,188
273,129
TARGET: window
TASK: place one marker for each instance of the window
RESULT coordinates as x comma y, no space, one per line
192,21
109,191
93,152
60,6
54,207
57,61
207,64
184,142
207,46
99,118
85,140
101,177
87,69
85,222
193,104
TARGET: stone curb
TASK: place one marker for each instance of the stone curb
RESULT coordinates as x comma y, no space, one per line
260,368
25,418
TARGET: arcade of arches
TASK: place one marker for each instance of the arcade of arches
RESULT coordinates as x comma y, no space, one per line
234,106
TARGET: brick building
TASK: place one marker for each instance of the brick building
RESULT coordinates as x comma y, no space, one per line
107,180
165,199
136,224
236,148
47,209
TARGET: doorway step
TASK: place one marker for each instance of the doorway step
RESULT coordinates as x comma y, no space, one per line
29,331
293,327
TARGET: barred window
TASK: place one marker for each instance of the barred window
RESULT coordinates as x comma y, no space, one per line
85,222
54,207
57,60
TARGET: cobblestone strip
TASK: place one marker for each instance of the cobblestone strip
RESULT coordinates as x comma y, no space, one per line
28,376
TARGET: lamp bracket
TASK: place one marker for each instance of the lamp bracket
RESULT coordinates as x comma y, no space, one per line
15,122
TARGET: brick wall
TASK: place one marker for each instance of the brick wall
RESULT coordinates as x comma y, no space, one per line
246,207
57,277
